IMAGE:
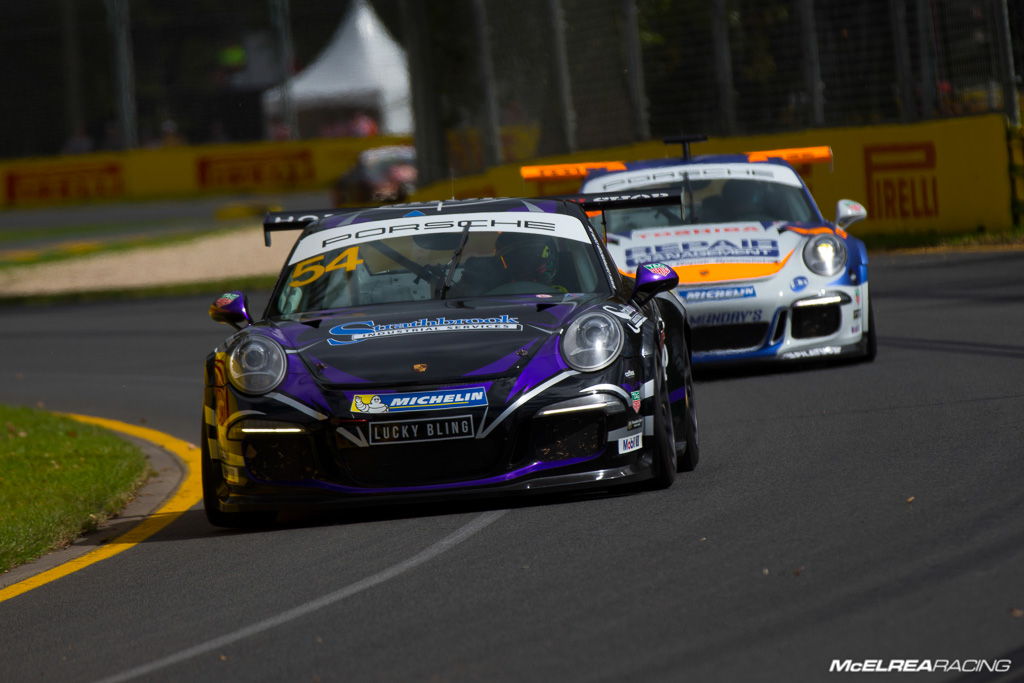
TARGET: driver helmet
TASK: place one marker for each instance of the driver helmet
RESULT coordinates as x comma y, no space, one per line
742,195
532,258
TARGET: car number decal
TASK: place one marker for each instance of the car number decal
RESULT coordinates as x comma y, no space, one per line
311,270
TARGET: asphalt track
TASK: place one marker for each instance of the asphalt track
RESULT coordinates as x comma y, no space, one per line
850,512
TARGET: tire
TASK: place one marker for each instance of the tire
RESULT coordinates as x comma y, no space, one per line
214,487
871,349
689,456
664,448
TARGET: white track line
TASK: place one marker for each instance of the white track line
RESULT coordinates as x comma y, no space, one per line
348,591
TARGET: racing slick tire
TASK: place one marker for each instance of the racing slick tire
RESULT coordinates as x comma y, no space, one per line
663,453
213,484
871,349
689,456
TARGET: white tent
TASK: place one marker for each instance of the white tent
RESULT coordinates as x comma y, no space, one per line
362,67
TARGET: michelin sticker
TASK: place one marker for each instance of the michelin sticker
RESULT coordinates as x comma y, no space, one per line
717,293
469,397
356,332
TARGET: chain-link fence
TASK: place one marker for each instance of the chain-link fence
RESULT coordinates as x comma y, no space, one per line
580,74
493,80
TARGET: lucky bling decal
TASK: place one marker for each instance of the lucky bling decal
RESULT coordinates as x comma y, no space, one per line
442,399
353,333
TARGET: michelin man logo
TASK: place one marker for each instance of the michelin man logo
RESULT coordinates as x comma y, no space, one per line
375,405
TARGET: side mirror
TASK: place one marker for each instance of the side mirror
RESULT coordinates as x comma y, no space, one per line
849,212
231,308
652,279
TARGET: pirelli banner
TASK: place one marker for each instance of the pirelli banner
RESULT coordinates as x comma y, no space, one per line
183,171
940,176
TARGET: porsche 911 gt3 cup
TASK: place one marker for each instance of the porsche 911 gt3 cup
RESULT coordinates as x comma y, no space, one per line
435,350
763,275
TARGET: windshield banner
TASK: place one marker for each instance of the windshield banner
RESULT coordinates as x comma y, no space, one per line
557,225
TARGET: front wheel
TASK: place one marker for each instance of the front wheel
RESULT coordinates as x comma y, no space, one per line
664,450
214,487
871,347
689,456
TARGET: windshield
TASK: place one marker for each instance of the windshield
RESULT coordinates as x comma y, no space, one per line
465,255
718,201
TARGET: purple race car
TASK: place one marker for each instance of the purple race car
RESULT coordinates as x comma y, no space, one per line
451,348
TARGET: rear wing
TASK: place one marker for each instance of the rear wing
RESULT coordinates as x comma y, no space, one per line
792,155
567,171
279,221
599,201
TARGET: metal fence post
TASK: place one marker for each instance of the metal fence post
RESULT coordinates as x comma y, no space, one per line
281,15
124,68
812,62
635,70
901,52
72,67
563,82
491,133
723,66
926,51
1001,20
428,132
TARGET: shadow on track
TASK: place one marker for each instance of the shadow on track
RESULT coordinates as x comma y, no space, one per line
193,524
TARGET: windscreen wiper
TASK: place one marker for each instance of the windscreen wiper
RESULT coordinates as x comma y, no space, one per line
689,213
450,268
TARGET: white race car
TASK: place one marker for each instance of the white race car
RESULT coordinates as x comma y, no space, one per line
762,274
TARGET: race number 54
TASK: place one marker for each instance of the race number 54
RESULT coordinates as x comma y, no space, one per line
311,269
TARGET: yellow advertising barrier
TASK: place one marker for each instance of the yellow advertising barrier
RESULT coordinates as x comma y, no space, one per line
183,171
938,176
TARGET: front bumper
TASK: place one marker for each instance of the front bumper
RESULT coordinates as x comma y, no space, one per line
781,325
568,436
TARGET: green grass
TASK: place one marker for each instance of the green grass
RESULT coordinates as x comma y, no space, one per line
58,479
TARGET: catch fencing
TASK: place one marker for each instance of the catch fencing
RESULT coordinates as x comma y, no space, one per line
495,81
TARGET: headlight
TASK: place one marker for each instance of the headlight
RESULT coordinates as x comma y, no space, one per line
825,255
256,365
592,342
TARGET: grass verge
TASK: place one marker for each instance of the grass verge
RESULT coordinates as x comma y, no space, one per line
58,479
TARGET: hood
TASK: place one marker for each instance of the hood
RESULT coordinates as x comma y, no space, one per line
429,342
714,252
